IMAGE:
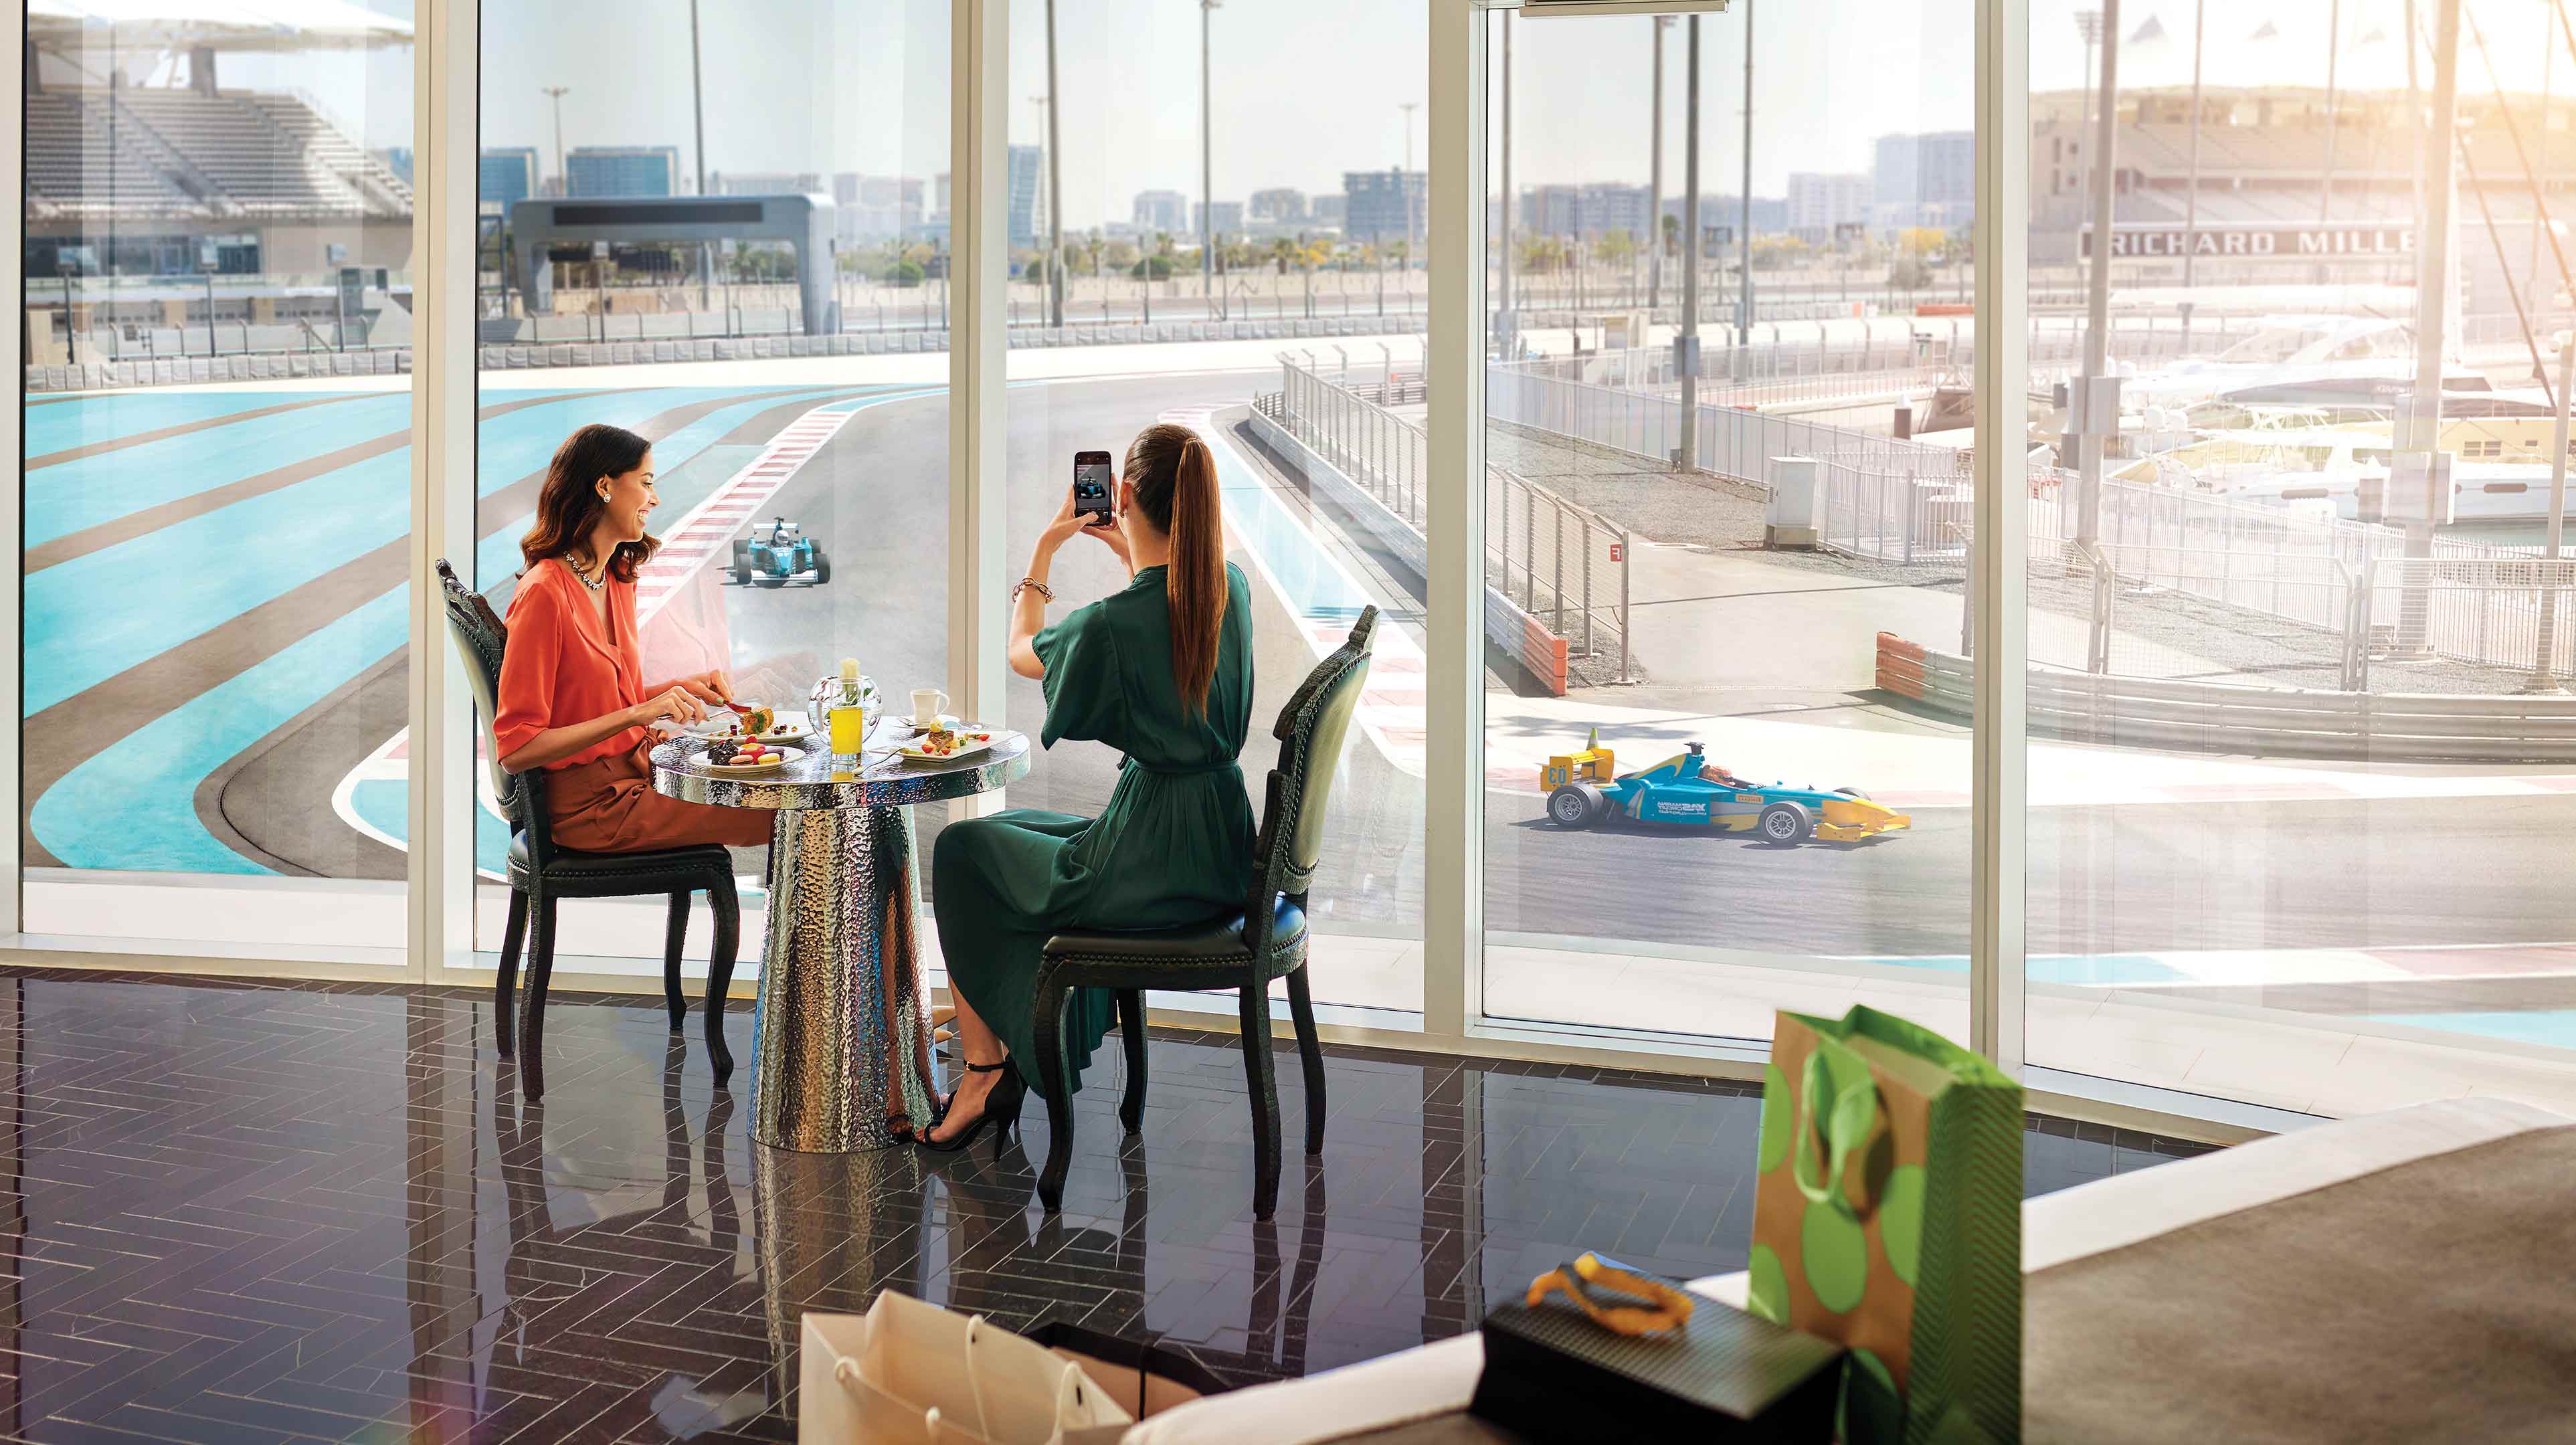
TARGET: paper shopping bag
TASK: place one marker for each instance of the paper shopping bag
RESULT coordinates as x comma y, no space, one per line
1887,1217
909,1373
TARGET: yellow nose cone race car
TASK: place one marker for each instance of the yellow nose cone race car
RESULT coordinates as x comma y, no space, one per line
1689,790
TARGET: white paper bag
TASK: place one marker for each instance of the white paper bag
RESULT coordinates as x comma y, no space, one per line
909,1373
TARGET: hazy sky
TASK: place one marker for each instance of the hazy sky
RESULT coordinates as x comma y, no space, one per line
1306,89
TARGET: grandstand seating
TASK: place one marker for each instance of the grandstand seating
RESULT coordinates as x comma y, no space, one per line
144,151
79,163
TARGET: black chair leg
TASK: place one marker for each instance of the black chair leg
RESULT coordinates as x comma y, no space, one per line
532,999
1131,1035
505,984
1310,1052
1263,1085
1049,1043
720,960
674,938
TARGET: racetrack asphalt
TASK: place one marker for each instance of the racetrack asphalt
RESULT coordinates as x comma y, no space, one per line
208,609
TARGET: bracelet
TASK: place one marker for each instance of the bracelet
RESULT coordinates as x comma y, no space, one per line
1031,584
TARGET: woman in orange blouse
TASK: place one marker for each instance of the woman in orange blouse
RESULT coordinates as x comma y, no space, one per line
573,696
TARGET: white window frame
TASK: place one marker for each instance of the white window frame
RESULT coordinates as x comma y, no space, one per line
440,936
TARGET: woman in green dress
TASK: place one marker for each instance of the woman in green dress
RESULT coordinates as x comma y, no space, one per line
1160,670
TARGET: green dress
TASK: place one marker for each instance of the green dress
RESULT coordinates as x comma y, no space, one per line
1174,846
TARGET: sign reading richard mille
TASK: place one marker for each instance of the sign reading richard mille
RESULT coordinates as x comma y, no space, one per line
2148,242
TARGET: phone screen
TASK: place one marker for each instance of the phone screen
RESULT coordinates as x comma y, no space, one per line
1091,482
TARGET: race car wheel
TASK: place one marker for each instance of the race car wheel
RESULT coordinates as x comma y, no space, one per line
1575,805
1785,823
1853,793
822,567
741,564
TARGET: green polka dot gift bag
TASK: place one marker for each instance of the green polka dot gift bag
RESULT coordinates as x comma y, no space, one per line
1887,1217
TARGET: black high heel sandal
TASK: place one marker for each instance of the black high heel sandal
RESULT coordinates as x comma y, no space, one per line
1001,1107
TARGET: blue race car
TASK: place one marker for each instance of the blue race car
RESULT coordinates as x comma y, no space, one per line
1687,789
780,554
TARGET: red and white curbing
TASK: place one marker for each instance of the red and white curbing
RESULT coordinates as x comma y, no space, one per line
702,534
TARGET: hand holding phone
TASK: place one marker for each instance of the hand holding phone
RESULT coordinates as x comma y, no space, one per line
1093,482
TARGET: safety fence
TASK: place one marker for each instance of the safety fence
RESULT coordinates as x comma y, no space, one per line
1559,565
2171,713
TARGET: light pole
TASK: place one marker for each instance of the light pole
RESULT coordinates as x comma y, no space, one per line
1744,257
1055,186
1207,166
1655,185
2191,196
698,106
2088,23
1054,200
556,94
1686,456
2104,25
1404,188
1504,321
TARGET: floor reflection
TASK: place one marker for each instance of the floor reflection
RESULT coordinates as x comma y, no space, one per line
236,1211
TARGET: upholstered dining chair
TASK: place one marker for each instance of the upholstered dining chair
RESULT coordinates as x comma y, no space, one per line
1245,950
543,875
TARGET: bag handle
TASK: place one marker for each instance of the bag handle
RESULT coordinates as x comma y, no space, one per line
1849,1119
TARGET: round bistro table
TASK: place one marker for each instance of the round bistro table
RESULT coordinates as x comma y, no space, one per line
841,1032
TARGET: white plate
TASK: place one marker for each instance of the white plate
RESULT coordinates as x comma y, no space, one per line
912,754
729,770
791,727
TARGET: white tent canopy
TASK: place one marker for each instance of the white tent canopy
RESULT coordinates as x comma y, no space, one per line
220,24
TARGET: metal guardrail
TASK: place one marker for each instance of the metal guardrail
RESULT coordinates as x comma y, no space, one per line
2169,713
1562,564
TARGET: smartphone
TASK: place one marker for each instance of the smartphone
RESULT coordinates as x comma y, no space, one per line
1092,480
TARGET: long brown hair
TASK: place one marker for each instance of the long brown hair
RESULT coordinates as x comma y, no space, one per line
569,504
1175,480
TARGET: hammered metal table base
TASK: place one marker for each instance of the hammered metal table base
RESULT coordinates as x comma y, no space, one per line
841,1034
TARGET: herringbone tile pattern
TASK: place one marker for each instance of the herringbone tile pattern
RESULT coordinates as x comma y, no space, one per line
239,1212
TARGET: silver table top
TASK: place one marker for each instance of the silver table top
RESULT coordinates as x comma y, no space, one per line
808,784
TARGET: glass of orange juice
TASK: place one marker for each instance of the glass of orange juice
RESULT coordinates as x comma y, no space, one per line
848,723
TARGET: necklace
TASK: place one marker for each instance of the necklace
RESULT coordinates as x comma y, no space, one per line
587,580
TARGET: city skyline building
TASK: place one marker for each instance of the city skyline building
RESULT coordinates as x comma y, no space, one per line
1819,206
505,175
1388,205
622,171
1228,214
1278,203
1924,180
1161,210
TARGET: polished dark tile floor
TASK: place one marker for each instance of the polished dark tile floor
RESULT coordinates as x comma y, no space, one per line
239,1212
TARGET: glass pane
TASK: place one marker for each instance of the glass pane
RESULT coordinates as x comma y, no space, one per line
1706,801
711,303
1311,265
218,479
2296,751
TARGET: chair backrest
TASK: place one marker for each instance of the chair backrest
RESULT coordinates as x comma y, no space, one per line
1311,731
480,637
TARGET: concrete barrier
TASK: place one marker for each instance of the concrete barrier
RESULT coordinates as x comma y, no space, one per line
1506,625
2219,717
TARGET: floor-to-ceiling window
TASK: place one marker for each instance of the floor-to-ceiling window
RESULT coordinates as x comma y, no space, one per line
2298,769
724,230
1702,526
218,240
1280,315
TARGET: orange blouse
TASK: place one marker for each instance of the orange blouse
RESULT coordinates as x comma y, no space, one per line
560,669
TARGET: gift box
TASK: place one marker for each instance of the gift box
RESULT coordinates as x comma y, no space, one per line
1553,1375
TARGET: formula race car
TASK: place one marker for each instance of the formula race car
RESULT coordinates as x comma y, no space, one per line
777,554
1688,789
